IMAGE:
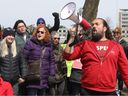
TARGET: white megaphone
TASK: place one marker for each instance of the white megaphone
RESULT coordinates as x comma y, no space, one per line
69,12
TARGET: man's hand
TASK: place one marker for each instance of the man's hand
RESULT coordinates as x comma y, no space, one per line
21,80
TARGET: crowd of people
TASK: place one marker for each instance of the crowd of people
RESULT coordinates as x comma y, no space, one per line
37,64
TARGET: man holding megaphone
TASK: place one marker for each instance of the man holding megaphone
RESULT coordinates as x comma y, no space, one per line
69,12
101,57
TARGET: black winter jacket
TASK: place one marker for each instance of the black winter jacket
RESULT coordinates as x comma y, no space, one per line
11,68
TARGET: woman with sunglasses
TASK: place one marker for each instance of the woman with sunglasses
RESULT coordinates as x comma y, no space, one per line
39,48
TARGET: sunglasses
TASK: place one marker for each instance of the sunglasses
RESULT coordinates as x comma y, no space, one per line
57,38
40,32
116,32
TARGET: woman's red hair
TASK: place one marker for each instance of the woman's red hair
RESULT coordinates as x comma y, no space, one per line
47,34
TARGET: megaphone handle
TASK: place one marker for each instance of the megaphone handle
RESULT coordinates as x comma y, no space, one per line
76,38
73,43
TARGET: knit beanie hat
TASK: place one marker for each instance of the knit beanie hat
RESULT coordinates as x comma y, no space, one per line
8,31
40,21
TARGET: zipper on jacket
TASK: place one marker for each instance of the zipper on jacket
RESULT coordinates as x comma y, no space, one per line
101,62
106,55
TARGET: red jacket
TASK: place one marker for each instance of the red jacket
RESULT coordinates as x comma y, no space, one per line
5,88
85,24
97,74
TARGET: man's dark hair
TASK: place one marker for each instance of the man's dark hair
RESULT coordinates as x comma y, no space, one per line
108,33
17,22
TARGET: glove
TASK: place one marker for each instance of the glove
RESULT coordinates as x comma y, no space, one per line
55,14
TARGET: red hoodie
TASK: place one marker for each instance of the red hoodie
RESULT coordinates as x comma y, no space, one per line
5,88
100,74
84,23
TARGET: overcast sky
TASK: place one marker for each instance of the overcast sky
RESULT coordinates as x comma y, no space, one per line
30,10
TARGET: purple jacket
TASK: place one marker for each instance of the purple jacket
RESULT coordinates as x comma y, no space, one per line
32,51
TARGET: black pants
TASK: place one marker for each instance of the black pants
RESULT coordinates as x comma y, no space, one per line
86,92
75,89
74,82
120,82
36,92
57,89
22,89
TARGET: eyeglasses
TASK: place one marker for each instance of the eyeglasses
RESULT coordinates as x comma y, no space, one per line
40,32
56,38
116,32
21,26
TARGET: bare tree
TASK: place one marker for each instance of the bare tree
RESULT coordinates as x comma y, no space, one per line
90,9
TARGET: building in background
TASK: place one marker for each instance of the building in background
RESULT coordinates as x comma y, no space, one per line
63,31
123,21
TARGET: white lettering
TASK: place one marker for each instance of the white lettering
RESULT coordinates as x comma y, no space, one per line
102,48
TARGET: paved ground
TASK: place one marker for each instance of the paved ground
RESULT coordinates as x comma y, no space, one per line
125,92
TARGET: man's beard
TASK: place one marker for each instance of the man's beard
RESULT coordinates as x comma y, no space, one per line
96,36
